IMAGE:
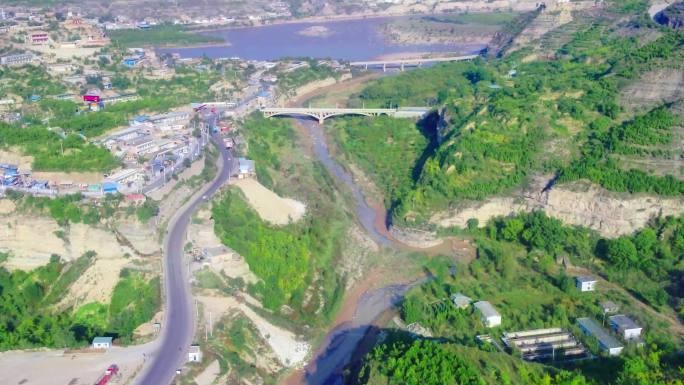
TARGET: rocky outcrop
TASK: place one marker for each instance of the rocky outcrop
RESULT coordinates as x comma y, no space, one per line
579,203
672,16
419,239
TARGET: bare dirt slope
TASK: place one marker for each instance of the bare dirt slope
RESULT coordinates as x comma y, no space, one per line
285,344
221,259
654,88
579,203
271,207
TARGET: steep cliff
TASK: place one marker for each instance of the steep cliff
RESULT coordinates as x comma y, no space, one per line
580,203
672,16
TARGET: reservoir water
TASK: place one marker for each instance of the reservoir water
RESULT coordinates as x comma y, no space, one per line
359,39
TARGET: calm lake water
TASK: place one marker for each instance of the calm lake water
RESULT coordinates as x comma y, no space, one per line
347,40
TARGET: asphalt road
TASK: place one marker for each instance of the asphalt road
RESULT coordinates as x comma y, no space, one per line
178,329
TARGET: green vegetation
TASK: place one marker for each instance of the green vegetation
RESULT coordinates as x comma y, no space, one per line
293,258
497,129
29,320
147,210
407,362
433,363
385,147
281,256
482,18
644,262
235,345
265,138
290,81
52,153
159,35
68,208
516,269
636,137
54,132
28,80
135,300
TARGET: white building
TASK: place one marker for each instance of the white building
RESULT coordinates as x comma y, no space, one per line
490,317
585,283
102,342
126,176
246,168
194,354
625,327
460,300
18,59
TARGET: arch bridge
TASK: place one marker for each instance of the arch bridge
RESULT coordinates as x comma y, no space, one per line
321,114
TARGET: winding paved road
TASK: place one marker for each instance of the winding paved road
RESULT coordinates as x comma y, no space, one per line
179,325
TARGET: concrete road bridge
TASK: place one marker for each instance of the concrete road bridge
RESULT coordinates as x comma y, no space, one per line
324,113
401,63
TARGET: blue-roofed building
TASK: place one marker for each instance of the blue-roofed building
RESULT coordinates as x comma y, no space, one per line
34,98
606,342
9,169
40,185
130,61
110,188
140,119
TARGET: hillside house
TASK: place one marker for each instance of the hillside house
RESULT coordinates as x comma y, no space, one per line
585,283
102,342
606,342
461,301
625,327
609,307
38,38
246,168
489,316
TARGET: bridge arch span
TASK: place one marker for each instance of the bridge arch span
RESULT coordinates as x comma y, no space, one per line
321,114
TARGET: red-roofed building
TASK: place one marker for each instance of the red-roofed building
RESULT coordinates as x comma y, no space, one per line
39,38
92,96
135,198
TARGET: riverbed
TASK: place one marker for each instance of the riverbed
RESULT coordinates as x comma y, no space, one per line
359,39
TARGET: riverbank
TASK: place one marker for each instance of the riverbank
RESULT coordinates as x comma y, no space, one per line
384,285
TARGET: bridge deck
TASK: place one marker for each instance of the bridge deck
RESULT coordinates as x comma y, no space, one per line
413,61
302,110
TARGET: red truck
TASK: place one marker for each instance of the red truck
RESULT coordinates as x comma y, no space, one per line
111,371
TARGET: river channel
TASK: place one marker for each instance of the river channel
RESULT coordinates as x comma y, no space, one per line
341,342
358,39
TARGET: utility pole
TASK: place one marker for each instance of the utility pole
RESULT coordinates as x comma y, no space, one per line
211,328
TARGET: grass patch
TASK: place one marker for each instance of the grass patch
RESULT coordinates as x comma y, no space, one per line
494,18
158,36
